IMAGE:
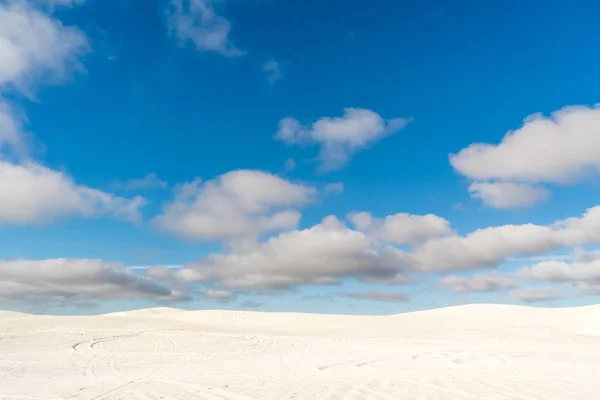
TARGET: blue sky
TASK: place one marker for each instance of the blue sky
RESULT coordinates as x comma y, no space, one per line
218,135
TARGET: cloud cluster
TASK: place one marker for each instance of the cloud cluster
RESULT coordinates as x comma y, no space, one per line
558,149
330,252
339,138
492,246
496,282
38,49
240,208
236,206
198,22
582,273
57,282
321,255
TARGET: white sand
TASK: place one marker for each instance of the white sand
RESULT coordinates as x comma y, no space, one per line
470,352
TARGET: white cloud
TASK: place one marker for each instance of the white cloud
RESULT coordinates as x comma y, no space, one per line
62,3
333,188
197,21
238,205
505,195
290,164
587,288
401,228
560,271
580,255
321,255
551,257
388,296
492,246
12,133
219,295
561,148
555,149
36,47
330,251
489,282
272,71
150,181
56,282
339,138
537,294
32,193
161,273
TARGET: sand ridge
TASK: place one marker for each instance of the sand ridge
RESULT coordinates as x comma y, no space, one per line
465,352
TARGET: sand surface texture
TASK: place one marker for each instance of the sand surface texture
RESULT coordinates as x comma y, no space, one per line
468,352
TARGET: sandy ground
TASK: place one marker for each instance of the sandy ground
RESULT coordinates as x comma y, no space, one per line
469,352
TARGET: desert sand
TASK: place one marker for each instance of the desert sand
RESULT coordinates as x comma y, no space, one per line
466,352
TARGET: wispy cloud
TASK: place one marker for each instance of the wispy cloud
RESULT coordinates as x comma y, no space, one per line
339,138
272,71
197,21
150,181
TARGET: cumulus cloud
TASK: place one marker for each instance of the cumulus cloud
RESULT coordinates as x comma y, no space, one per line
328,252
388,296
235,206
560,271
150,181
36,47
339,138
321,255
489,282
198,22
492,246
401,228
558,149
77,281
537,294
32,193
505,195
272,71
589,288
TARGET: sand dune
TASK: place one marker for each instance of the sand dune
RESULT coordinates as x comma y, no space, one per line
467,352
